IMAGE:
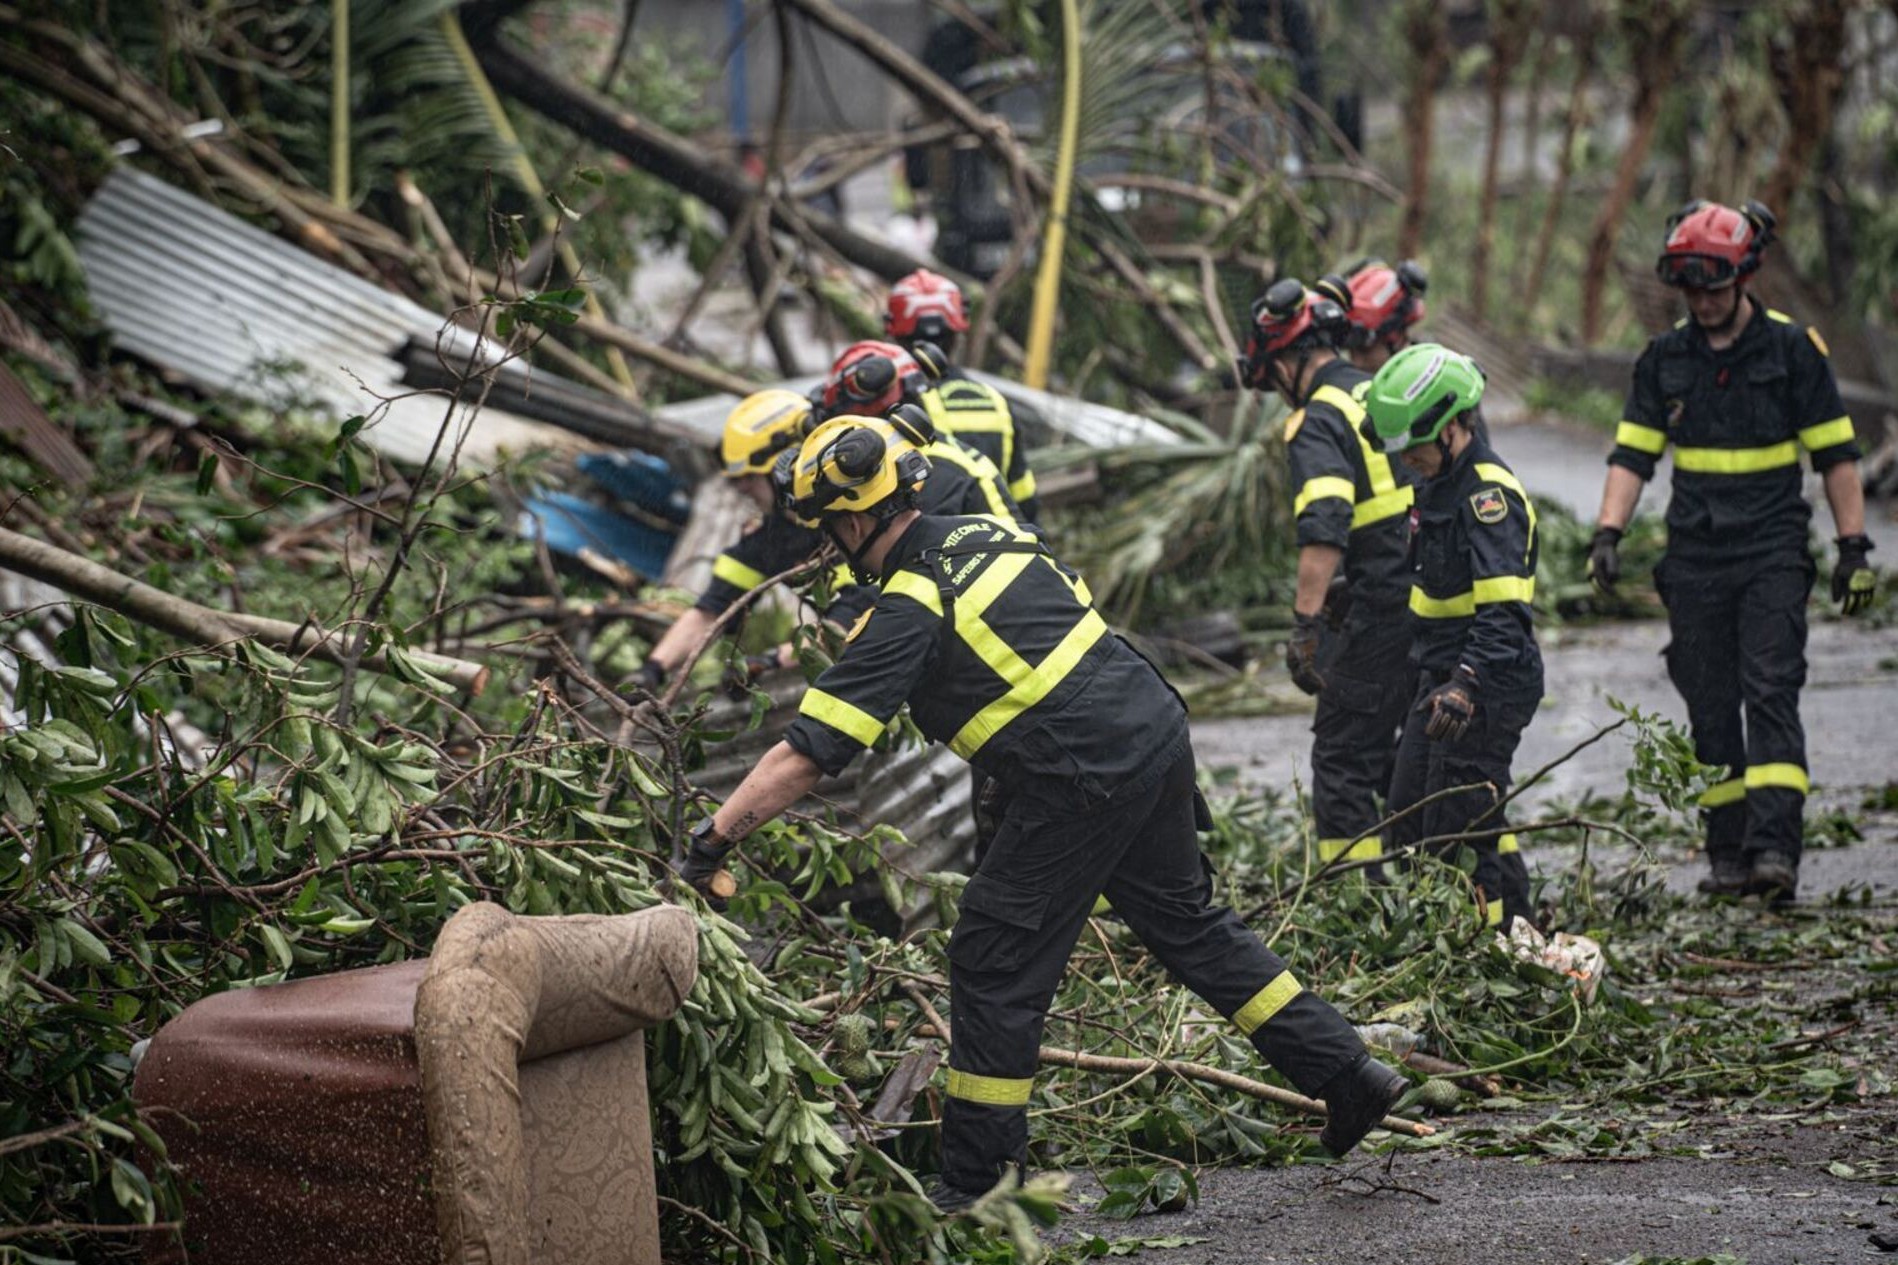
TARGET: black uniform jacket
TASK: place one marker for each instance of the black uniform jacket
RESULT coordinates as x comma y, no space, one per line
1738,420
999,652
1348,493
1474,573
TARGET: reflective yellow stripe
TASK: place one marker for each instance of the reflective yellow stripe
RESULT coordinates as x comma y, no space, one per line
1385,505
979,468
1509,843
1268,1001
1504,588
1774,314
733,572
1325,485
1736,460
1026,686
841,577
1024,487
845,718
1731,791
1826,434
1492,911
1641,438
916,589
1330,850
1427,607
1789,776
993,1091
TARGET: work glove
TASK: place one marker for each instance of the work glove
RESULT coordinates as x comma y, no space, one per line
1337,606
740,675
651,677
1451,706
1854,583
704,863
1301,653
1604,563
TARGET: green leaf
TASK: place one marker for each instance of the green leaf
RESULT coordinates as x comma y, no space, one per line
207,472
279,946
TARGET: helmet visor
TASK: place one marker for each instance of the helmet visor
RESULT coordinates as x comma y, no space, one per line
1696,272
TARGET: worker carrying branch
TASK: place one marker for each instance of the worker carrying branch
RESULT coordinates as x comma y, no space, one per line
1740,391
997,651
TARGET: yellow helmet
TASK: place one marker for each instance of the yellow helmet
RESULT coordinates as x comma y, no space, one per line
853,464
763,425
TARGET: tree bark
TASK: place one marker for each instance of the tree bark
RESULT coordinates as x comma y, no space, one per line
1531,140
1810,72
1426,32
1655,30
1508,35
188,621
674,159
1577,114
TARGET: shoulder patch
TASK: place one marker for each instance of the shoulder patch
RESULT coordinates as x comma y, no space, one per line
1489,505
1818,342
863,621
1292,424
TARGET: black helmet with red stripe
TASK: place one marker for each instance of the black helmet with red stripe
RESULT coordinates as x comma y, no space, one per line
1288,318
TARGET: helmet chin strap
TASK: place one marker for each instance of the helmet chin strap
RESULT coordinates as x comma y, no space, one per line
1733,313
1287,386
858,567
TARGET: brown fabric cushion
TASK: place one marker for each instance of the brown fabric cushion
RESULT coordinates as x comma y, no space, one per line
299,1127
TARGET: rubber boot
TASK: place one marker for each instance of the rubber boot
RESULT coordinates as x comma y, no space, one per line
1730,876
1775,876
950,1199
1356,1100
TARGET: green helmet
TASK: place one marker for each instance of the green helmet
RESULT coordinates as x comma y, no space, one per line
1416,393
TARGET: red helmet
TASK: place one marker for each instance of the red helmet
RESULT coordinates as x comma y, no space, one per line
924,305
1384,300
1287,317
871,378
1710,246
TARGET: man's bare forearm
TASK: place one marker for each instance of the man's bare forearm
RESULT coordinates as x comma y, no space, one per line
784,776
1619,495
685,633
1316,565
1845,492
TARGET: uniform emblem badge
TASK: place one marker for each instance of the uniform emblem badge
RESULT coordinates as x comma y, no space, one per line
863,621
1293,423
1489,505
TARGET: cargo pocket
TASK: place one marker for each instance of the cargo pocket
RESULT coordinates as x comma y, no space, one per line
998,926
1351,694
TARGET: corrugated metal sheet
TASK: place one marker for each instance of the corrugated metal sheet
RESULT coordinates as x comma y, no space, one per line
196,290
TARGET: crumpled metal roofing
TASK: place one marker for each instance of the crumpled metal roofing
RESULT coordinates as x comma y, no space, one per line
196,290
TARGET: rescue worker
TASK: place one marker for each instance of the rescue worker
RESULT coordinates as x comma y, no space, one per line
873,379
997,651
1473,577
1739,390
763,426
924,315
1350,640
1381,303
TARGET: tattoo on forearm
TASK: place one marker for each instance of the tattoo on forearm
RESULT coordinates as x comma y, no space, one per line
746,823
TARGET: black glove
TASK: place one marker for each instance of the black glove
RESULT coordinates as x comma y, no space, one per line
1301,653
1854,583
1452,706
1604,564
704,861
1337,602
651,676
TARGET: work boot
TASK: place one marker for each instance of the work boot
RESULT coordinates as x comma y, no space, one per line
1730,876
952,1199
1775,876
1356,1100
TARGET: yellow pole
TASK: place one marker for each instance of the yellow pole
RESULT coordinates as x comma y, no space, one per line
1054,241
339,102
529,180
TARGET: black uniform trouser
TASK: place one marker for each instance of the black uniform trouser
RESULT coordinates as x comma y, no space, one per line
1368,678
1020,917
1427,765
1739,645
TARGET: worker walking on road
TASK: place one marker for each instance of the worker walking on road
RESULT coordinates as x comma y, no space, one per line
1739,390
1473,560
1350,639
997,651
925,315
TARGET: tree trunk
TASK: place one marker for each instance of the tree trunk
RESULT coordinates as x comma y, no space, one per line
1531,142
1577,114
1810,72
1427,35
201,625
1508,32
1655,30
